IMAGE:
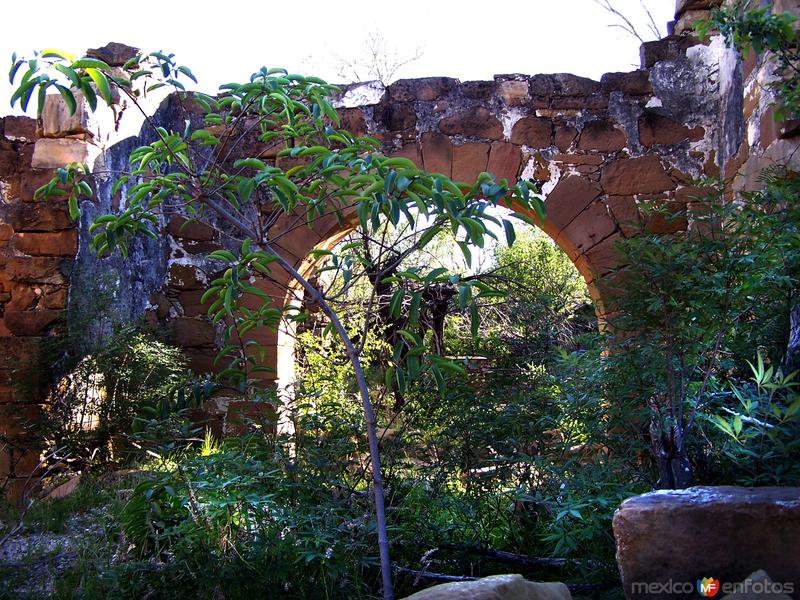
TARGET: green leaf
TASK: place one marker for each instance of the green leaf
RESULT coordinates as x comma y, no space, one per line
510,234
15,65
68,97
74,210
69,74
90,63
396,304
249,163
188,73
26,95
88,92
245,189
101,82
56,53
464,296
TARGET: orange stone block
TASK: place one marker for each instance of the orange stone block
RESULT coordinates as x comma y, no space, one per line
59,243
469,160
437,153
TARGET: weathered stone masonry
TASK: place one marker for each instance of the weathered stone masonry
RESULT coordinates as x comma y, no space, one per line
597,149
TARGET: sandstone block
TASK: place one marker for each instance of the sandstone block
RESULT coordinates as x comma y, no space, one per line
426,89
580,159
410,151
635,83
504,161
478,90
185,277
201,361
30,322
643,175
188,332
601,136
23,297
603,258
24,187
16,419
19,128
514,92
55,299
684,5
59,243
56,120
37,269
23,463
20,386
113,54
190,301
666,217
352,120
469,160
722,532
668,48
497,587
180,226
589,227
54,153
594,102
475,121
685,22
9,159
656,129
24,216
532,131
568,199
688,193
626,214
18,353
396,116
564,136
437,153
18,487
64,489
563,84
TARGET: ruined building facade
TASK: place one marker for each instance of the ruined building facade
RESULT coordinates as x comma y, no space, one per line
597,149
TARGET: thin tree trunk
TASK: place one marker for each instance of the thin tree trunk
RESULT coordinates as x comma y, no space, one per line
352,354
791,361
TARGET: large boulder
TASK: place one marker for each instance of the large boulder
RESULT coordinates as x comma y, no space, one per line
498,587
672,539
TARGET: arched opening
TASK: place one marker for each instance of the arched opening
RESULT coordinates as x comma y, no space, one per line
577,225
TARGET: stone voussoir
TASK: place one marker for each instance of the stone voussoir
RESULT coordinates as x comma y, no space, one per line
642,175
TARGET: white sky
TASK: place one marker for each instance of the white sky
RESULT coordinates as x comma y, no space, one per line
224,42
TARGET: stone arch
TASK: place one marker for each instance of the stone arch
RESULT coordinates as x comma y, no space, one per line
598,148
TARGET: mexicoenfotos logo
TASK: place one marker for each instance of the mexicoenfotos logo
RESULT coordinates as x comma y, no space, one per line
708,586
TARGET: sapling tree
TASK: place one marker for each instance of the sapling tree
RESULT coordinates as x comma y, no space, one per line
323,174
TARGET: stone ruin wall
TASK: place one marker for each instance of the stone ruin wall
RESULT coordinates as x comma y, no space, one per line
596,148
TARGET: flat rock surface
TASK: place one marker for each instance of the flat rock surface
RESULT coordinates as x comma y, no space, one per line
498,587
682,536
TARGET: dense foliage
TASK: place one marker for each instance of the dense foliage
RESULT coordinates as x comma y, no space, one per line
509,426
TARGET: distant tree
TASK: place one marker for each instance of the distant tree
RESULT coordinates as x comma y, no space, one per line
378,61
625,20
